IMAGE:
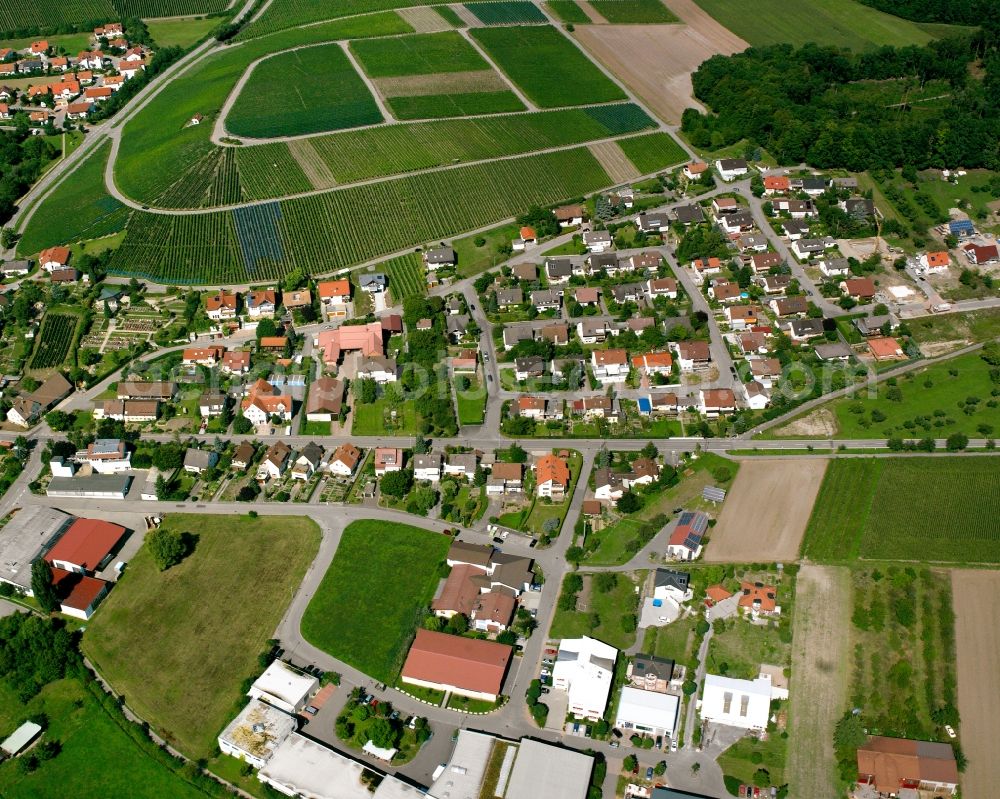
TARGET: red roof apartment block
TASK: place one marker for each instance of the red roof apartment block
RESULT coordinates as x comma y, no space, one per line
85,545
466,666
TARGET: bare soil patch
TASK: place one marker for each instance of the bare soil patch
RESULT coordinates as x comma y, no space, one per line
313,166
766,511
820,422
976,599
820,647
466,16
656,61
591,12
484,80
424,19
936,348
614,161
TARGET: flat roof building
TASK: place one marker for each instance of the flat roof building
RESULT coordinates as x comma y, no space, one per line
256,733
284,687
20,739
95,486
29,531
736,703
584,669
648,712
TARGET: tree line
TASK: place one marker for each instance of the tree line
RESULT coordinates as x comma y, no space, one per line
828,107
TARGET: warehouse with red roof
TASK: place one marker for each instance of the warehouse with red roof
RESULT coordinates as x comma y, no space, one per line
467,666
86,546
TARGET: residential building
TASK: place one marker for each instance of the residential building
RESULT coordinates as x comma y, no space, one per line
335,297
731,168
127,410
263,401
526,271
597,240
373,282
464,666
508,298
530,367
53,258
796,305
672,585
755,395
609,366
558,270
608,485
427,466
462,464
592,331
199,461
569,215
326,397
381,370
308,462
692,355
244,455
388,459
695,170
211,403
774,284
981,254
689,214
552,476
221,306
763,261
835,267
584,668
547,299
759,600
803,329
653,222
858,288
261,304
593,407
654,363
505,478
650,673
894,765
141,390
662,287
108,456
367,339
275,461
344,460
837,351
935,263
714,402
885,349
437,257
26,410
296,299
202,356
774,184
736,703
236,362
686,539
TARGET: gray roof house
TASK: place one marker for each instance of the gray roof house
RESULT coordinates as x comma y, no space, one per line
457,325
373,282
197,461
440,256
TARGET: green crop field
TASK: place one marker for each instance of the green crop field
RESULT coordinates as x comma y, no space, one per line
954,396
159,148
324,231
925,509
54,340
270,170
20,17
391,571
625,12
568,11
841,23
449,15
406,277
80,209
652,151
547,66
177,653
436,106
303,91
282,14
420,54
506,12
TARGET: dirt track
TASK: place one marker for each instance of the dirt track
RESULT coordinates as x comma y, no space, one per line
656,61
766,511
976,599
820,648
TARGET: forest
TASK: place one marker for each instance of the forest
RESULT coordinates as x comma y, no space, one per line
932,106
22,157
953,12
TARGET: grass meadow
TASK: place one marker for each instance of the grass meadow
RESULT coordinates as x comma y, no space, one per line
181,32
841,23
547,66
303,91
179,643
600,613
932,509
370,600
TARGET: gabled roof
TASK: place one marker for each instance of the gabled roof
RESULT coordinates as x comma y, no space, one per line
86,543
552,468
691,527
466,663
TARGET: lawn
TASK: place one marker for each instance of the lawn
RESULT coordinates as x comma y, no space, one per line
739,760
181,32
841,23
625,12
303,91
371,420
118,765
179,643
674,642
471,403
652,152
608,616
619,541
741,647
474,258
921,509
927,402
547,66
370,600
956,328
420,54
81,209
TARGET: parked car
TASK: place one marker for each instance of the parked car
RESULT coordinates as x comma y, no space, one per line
497,540
545,690
545,672
950,730
673,744
616,732
659,741
649,772
615,744
551,651
394,715
312,710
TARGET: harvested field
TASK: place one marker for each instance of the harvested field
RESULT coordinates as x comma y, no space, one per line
312,164
766,511
656,61
976,599
820,422
424,19
819,677
484,80
619,168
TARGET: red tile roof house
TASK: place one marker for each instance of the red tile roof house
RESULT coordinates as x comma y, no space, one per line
388,459
858,288
981,254
263,401
221,306
654,363
86,545
465,666
890,764
757,599
335,296
368,339
886,349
